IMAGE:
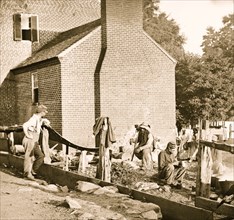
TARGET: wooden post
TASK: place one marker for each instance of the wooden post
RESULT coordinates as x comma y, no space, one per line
82,162
204,168
198,179
206,164
104,165
204,172
11,143
66,158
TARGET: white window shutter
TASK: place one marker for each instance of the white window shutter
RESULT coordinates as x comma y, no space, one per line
17,27
34,29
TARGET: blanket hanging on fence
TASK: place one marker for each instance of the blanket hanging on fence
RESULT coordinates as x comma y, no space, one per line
53,135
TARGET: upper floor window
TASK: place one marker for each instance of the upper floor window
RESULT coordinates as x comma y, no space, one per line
26,27
35,89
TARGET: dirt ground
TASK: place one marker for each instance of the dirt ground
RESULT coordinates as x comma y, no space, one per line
124,174
20,200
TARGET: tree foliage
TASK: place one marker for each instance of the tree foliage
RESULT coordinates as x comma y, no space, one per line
188,109
205,85
163,30
218,65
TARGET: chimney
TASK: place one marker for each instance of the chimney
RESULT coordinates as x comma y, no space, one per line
134,75
119,19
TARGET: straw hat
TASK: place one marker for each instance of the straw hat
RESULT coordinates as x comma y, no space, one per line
145,126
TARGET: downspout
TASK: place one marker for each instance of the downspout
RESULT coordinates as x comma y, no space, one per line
97,92
97,95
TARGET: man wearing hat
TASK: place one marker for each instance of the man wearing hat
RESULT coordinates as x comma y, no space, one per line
144,145
32,129
170,169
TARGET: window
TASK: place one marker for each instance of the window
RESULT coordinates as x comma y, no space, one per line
35,90
25,27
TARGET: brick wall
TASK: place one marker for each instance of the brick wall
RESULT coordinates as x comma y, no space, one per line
137,78
49,83
78,66
8,101
12,52
45,37
54,16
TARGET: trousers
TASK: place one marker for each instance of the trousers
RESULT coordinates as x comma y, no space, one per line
171,174
146,157
33,157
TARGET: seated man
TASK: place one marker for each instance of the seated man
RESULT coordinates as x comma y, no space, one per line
170,169
144,146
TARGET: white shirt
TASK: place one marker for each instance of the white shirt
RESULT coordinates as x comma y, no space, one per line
33,124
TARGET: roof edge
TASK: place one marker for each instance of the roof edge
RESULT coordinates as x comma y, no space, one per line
160,48
74,45
20,69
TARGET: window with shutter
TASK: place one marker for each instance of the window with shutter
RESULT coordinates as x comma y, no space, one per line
17,27
26,27
34,29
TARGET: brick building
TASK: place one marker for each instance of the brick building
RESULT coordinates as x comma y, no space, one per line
83,59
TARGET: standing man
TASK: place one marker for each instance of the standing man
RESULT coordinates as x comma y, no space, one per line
32,129
170,169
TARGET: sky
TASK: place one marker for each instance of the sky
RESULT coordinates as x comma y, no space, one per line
194,16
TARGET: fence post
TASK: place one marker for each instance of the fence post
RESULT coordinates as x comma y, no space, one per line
198,179
204,167
66,158
82,161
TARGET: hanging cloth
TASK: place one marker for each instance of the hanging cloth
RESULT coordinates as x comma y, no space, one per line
45,145
104,135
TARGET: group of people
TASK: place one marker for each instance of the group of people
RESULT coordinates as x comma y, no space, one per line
170,170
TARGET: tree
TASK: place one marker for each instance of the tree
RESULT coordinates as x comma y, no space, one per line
163,30
187,106
205,85
218,67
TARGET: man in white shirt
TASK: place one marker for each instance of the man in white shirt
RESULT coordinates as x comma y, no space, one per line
32,129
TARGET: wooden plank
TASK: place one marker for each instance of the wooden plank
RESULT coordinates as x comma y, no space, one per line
219,146
208,204
170,209
8,129
174,210
4,144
